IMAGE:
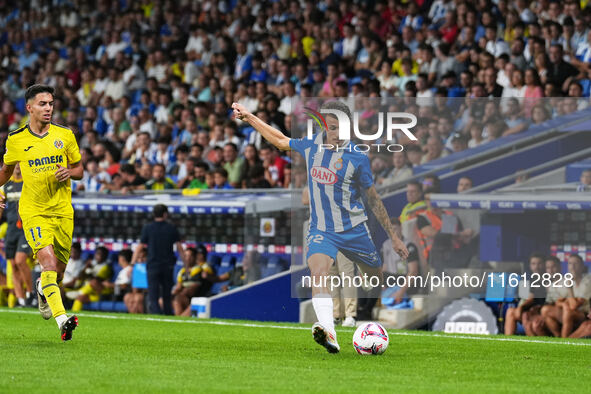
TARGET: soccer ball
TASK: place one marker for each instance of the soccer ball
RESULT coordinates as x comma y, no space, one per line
370,338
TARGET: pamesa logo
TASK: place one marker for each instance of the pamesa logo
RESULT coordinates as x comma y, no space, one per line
345,128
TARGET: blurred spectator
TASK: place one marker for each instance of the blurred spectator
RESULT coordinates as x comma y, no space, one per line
243,273
97,274
566,314
188,164
255,179
458,142
233,164
131,179
400,169
464,183
560,72
393,266
576,309
94,177
134,300
194,280
415,155
122,284
415,202
273,164
379,168
433,150
431,184
585,181
536,294
445,243
220,179
198,181
159,180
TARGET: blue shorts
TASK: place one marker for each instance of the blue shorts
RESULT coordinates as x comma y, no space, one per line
356,244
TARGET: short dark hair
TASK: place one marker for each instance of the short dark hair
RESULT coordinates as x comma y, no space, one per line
102,249
221,171
159,165
182,148
232,145
76,245
201,249
555,260
192,250
34,90
202,165
126,254
127,169
434,186
159,210
537,255
198,145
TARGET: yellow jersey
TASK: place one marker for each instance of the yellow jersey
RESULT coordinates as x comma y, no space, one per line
39,156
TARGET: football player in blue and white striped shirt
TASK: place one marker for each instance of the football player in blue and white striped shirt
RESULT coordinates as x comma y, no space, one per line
337,179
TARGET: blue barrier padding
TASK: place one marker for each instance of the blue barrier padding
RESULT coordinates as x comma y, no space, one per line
267,301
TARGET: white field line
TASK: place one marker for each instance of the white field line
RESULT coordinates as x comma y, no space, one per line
276,326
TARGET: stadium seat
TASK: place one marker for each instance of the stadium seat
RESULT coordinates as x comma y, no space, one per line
226,265
139,276
274,266
213,259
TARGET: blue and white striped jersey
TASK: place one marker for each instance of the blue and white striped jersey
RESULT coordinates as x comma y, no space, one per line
336,181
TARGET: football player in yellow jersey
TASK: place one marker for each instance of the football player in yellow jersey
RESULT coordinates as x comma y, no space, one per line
48,156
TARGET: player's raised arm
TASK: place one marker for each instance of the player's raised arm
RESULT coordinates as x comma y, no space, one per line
378,208
271,134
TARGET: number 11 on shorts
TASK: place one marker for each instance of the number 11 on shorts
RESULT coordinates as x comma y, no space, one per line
33,233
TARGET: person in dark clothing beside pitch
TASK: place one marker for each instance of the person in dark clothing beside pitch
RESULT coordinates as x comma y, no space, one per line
159,237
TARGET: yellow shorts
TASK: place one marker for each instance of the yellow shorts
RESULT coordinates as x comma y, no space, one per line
42,231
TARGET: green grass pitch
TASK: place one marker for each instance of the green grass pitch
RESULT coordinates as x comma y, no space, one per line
128,354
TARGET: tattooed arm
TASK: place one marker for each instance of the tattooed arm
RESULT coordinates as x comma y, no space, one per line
377,207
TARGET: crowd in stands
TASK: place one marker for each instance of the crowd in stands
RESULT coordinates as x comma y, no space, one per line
147,85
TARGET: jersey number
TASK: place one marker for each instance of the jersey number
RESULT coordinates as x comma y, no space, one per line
33,233
317,239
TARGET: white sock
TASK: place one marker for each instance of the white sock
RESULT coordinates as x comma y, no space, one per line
21,301
28,294
60,320
323,307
